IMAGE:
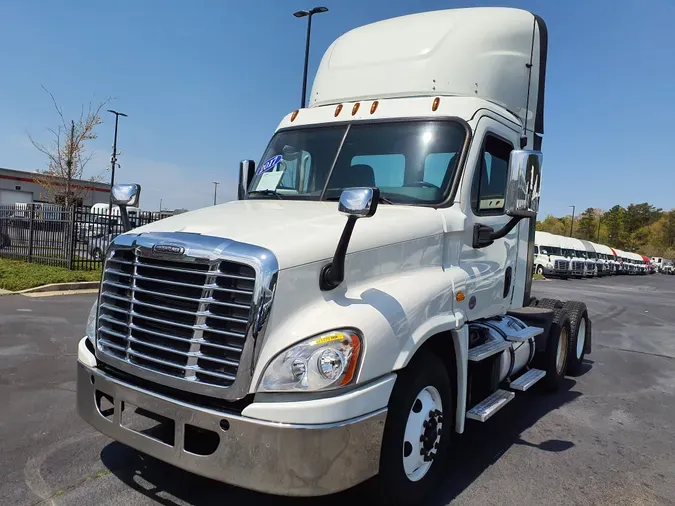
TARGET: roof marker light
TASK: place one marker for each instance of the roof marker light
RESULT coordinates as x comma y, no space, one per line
434,106
355,108
294,115
373,107
338,109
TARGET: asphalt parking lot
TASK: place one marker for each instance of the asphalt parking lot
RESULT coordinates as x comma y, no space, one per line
608,438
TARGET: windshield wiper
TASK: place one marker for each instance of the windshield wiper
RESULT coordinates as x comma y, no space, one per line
266,192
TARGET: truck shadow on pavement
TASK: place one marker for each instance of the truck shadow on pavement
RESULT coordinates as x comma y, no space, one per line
473,452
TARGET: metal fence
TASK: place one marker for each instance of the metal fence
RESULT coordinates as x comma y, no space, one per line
75,238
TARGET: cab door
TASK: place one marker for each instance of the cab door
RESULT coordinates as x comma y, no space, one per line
490,269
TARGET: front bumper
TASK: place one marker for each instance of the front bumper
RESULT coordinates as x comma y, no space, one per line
277,458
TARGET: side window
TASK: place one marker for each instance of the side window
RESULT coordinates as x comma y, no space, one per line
389,170
536,250
488,188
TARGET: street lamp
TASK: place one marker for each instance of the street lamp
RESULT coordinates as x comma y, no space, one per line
572,224
309,14
215,191
113,164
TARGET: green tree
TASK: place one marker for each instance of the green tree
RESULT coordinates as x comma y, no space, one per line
613,221
588,224
640,215
667,236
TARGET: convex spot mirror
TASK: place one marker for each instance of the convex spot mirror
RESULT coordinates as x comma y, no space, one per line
524,185
359,202
126,194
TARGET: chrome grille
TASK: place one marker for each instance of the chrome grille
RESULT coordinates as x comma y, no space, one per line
577,266
176,317
561,265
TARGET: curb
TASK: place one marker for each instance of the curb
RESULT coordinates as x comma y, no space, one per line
61,287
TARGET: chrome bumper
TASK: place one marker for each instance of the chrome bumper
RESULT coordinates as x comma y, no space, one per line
284,459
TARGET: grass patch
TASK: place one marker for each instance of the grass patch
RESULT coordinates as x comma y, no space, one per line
538,276
16,275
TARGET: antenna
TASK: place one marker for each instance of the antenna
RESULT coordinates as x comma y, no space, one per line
523,139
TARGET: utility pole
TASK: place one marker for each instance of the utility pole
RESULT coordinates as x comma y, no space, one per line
69,164
113,163
572,224
308,14
215,191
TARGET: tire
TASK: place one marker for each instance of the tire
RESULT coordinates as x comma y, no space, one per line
540,270
547,303
553,360
397,484
579,322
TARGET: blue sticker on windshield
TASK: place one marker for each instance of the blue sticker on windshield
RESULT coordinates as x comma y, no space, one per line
269,164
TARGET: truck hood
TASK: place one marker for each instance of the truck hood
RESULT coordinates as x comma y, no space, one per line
300,232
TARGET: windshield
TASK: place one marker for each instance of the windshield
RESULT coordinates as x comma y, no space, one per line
411,162
551,250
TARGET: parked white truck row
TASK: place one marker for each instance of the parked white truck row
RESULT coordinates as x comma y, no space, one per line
367,295
663,265
567,257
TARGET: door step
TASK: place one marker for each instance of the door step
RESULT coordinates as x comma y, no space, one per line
528,379
487,350
488,407
525,334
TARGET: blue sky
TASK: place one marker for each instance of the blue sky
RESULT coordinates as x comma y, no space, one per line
206,82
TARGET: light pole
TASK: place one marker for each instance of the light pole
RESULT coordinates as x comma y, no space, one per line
572,224
308,14
113,163
215,191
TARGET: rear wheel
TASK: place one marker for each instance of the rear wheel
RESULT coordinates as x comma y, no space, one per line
548,303
580,333
553,360
417,433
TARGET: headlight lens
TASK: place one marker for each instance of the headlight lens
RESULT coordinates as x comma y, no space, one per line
323,362
90,330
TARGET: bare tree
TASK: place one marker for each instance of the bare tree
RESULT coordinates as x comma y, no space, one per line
66,154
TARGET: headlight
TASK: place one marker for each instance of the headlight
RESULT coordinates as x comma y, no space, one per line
323,362
90,330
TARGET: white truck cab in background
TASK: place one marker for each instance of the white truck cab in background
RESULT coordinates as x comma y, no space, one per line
548,255
370,290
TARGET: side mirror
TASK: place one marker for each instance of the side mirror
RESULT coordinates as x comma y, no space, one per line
126,194
524,185
246,173
355,203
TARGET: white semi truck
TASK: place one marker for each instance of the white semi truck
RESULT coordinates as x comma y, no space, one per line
577,264
370,290
548,255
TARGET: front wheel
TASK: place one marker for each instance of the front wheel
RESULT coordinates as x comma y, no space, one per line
417,433
540,270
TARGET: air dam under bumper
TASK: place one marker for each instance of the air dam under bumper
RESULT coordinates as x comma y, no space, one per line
284,459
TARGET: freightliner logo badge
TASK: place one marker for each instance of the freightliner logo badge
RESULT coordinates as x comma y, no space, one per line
168,249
